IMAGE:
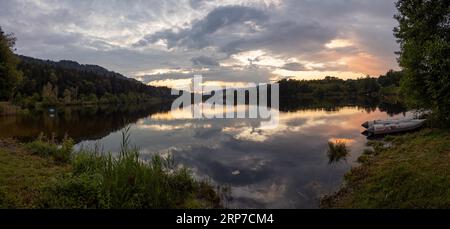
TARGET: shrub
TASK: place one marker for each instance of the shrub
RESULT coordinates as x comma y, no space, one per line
73,192
88,162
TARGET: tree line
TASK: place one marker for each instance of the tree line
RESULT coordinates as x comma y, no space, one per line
28,81
331,87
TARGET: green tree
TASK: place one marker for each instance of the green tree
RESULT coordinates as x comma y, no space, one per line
9,75
368,86
424,37
92,98
391,78
50,94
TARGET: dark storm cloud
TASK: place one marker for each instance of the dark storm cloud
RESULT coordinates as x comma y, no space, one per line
286,37
204,61
197,36
233,29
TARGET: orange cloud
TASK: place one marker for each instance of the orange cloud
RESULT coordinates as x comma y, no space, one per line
366,64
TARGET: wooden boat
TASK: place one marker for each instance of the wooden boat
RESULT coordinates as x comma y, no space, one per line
390,126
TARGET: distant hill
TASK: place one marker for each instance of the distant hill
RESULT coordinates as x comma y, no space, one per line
72,81
71,65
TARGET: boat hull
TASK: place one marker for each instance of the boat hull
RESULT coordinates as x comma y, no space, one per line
369,124
398,127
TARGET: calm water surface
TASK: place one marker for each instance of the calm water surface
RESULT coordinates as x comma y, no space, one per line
284,167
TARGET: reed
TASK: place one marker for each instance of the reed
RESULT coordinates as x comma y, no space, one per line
105,180
337,151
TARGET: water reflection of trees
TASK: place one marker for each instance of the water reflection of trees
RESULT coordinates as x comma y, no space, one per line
369,104
80,123
95,122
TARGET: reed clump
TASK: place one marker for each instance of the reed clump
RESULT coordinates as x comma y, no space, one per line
124,181
337,150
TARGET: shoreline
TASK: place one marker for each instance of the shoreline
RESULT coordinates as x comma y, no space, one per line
410,171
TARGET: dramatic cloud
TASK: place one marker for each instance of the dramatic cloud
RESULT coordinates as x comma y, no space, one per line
204,61
199,34
232,41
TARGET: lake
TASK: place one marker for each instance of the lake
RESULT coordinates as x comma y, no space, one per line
283,167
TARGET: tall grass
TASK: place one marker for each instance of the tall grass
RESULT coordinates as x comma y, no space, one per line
104,180
46,147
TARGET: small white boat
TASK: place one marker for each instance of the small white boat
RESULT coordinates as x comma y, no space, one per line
369,124
389,127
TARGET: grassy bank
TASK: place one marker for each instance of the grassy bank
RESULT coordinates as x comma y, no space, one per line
408,171
42,174
22,175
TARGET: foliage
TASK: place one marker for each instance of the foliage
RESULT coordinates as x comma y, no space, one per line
9,75
391,78
49,94
424,37
72,192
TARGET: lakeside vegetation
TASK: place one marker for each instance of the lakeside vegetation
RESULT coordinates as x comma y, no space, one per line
337,151
407,171
44,174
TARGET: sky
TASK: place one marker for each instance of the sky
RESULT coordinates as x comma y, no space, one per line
228,42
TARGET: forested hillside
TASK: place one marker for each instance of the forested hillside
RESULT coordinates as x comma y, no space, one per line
69,82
